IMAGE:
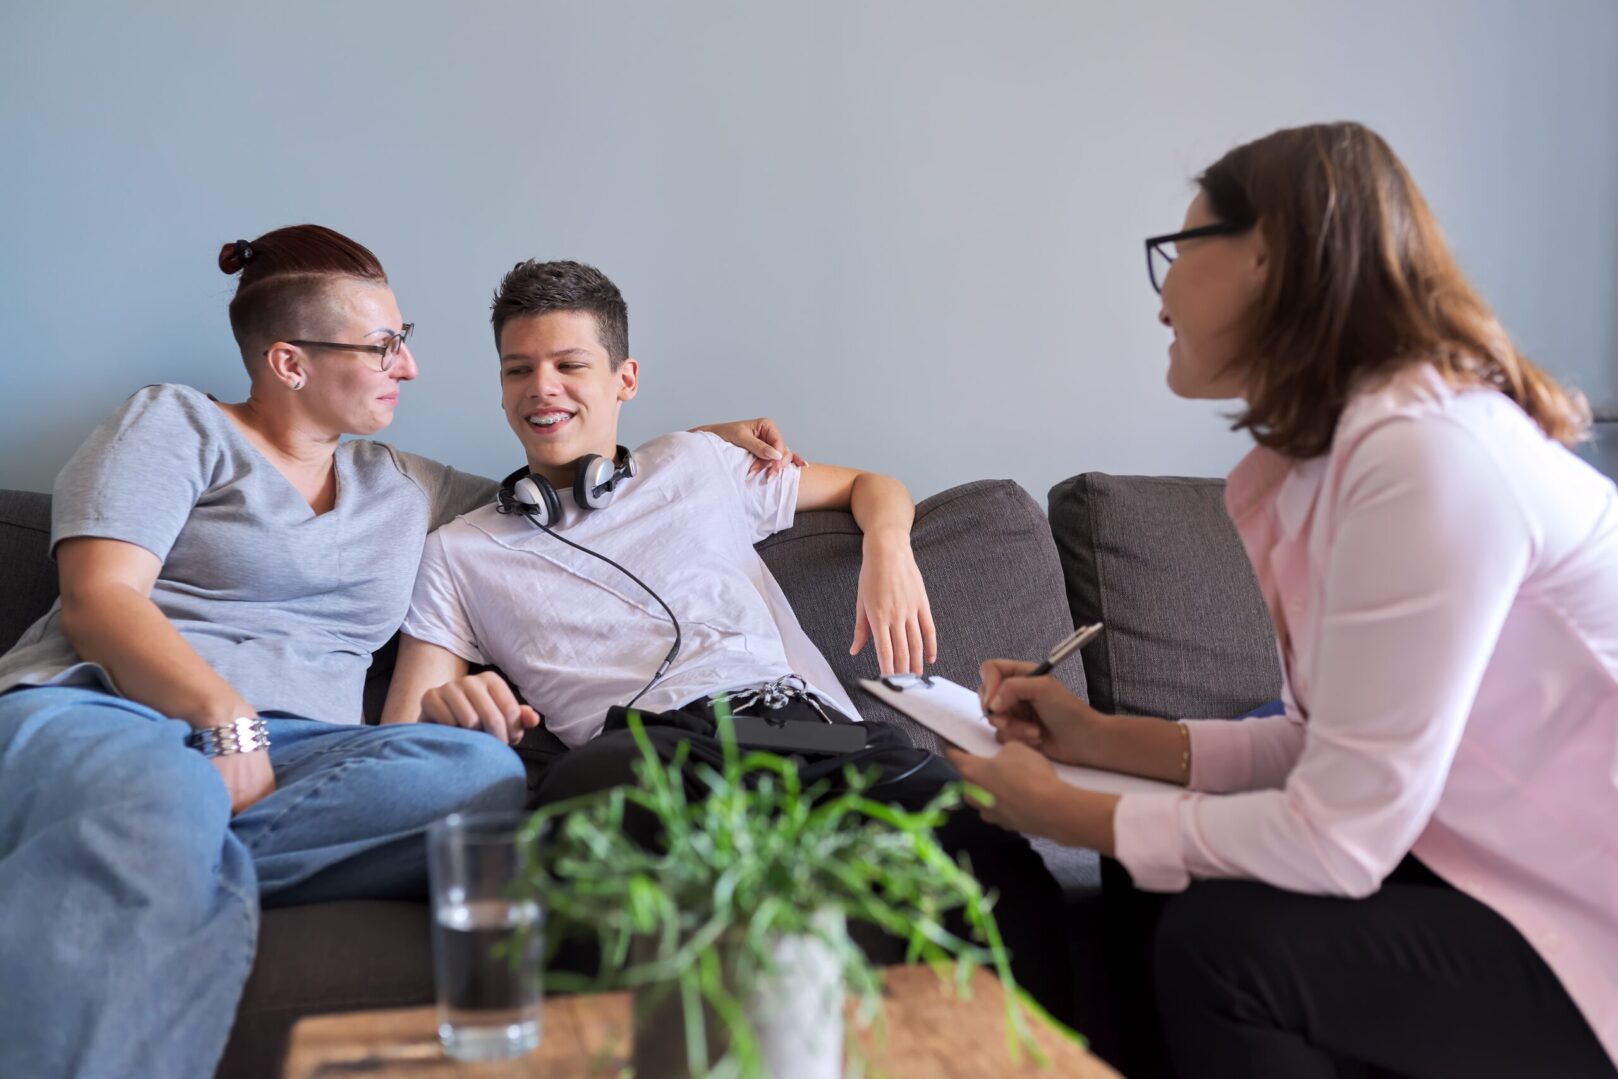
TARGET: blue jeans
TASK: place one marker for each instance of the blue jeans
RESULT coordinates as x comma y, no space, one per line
129,897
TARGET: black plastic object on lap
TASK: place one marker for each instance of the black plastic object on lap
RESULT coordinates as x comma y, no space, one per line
758,732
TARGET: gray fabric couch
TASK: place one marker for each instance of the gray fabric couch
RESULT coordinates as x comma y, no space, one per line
1155,558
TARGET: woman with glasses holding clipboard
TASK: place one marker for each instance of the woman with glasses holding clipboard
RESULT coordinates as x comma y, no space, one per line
1414,868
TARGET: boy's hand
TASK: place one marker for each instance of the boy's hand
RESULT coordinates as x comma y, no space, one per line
480,702
891,609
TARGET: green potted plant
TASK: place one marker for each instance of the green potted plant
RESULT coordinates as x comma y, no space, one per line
732,928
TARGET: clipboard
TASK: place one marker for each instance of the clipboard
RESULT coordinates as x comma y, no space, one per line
952,711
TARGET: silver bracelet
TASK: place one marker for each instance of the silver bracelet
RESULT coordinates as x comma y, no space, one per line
244,734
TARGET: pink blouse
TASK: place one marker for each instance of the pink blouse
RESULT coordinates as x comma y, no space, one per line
1444,586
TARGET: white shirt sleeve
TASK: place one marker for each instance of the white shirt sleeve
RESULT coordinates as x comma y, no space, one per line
768,504
437,614
1428,550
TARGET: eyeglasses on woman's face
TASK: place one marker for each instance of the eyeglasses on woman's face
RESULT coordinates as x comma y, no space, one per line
1161,251
388,349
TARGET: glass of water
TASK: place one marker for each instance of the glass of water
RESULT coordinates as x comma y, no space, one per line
488,948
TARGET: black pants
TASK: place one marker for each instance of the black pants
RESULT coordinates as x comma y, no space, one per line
1029,908
1417,980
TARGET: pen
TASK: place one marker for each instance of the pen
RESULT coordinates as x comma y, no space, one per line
1067,646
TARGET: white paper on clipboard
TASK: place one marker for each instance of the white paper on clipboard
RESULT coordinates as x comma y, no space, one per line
952,711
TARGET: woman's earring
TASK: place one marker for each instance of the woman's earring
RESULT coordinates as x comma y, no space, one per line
298,385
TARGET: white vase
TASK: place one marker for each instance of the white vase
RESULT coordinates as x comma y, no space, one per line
796,1012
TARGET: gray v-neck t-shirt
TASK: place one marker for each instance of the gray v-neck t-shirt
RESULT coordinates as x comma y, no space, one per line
286,605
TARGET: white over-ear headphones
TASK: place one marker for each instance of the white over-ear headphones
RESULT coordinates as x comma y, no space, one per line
594,484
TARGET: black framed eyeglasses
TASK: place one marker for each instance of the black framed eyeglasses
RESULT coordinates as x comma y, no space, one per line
388,349
1160,253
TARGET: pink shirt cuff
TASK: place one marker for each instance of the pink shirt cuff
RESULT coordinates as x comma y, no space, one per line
1146,836
1221,755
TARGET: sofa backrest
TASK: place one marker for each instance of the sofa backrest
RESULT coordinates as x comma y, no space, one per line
27,575
993,578
1158,560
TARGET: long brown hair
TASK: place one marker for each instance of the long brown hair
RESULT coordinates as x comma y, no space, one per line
1361,284
287,275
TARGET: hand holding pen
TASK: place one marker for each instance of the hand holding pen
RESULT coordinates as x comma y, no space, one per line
1025,706
996,669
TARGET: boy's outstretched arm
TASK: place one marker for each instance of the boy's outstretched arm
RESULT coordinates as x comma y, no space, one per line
891,611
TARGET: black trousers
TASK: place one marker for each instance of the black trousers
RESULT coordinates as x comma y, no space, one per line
1029,907
1417,980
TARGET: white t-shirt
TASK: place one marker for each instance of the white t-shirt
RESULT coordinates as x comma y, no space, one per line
577,637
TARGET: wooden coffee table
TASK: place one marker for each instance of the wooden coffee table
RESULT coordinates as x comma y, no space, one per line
929,1033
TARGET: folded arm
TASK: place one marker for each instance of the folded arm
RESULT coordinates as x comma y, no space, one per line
109,618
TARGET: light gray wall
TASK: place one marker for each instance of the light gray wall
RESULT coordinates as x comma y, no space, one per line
909,230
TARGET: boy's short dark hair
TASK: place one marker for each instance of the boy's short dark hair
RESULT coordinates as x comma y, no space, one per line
538,288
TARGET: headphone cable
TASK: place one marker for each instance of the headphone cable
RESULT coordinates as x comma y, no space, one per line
674,652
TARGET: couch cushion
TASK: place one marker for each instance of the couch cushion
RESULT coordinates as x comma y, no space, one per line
327,957
27,575
993,580
1158,560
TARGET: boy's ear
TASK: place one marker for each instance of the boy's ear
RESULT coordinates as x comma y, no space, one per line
628,378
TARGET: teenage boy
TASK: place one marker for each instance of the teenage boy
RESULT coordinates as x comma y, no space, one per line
604,578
